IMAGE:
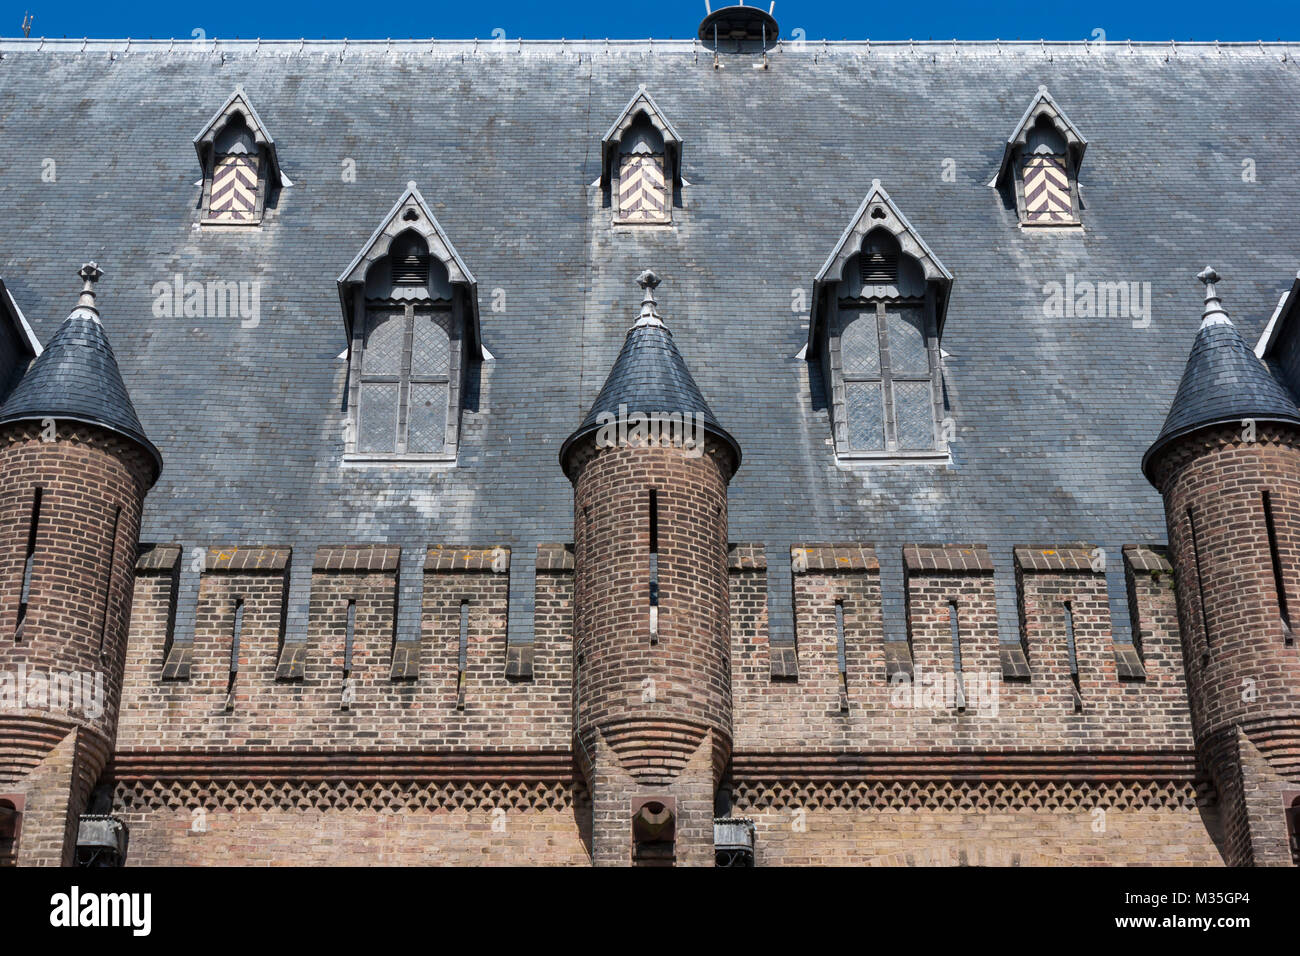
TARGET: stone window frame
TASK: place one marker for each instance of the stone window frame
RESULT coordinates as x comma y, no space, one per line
827,322
845,310
445,314
642,107
269,175
1042,109
457,312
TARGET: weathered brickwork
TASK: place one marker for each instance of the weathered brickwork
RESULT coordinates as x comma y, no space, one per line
62,654
79,599
1067,579
688,665
1243,674
751,651
318,710
957,837
328,824
653,694
804,717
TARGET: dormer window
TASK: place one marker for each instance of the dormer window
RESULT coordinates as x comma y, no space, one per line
411,310
878,309
241,172
1040,165
641,164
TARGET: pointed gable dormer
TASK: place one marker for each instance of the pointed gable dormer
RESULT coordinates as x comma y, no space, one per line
76,378
1040,163
240,165
18,343
1224,382
641,163
649,378
878,310
410,310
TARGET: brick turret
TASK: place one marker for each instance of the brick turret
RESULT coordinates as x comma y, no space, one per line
1228,465
75,466
652,678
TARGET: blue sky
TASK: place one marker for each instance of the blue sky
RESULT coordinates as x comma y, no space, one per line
833,19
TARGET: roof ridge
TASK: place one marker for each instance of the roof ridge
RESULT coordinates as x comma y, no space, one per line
186,45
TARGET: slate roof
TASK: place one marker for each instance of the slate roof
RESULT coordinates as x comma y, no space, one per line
649,376
1052,415
1224,383
76,377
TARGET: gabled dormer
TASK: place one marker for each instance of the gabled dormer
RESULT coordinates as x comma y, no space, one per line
879,304
18,343
410,310
1040,165
641,164
241,170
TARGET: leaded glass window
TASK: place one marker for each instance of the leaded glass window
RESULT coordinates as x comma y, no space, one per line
887,368
405,381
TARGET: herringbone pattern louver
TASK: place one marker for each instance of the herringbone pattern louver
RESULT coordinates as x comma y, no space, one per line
1047,190
234,188
642,190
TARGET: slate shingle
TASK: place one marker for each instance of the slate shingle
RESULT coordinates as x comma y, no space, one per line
76,378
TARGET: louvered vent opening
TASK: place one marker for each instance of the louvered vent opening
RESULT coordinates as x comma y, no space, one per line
878,268
410,269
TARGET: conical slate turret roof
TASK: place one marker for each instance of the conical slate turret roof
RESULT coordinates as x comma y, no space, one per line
1224,382
649,376
76,378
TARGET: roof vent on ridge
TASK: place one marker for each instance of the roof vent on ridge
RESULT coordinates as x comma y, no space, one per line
739,25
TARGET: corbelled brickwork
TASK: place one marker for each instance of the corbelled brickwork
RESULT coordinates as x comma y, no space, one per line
653,703
683,677
1243,670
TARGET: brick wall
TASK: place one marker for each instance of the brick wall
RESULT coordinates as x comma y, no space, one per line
77,612
1243,672
61,672
1105,828
307,713
263,824
653,706
1034,714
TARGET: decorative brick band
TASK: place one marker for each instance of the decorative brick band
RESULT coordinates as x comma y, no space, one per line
957,558
746,557
1075,558
553,556
357,557
158,558
240,560
446,557
813,558
395,796
1142,557
385,765
912,795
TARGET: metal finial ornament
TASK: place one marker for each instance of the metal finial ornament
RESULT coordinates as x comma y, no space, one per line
1214,313
649,281
90,274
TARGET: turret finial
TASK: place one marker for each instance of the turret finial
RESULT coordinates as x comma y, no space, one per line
1213,314
90,274
649,281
